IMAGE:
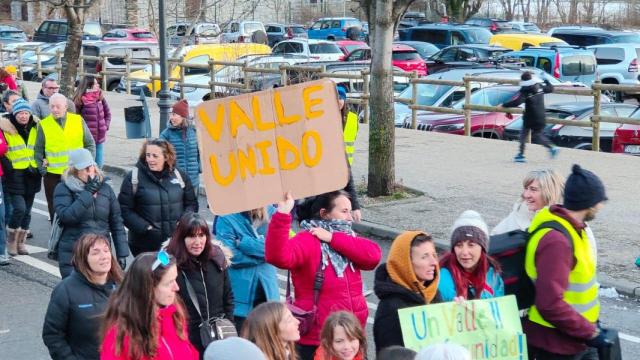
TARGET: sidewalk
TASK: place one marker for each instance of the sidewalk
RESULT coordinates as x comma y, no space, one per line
457,173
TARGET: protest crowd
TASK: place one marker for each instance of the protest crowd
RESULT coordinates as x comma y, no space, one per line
195,291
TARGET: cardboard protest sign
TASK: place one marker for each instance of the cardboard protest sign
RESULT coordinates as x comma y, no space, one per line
255,147
489,329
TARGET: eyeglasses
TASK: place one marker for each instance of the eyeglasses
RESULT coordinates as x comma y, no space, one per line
163,259
53,87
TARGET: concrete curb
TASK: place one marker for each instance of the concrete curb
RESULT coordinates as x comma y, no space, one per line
384,232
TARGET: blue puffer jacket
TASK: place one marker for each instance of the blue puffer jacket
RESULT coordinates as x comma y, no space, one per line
248,267
447,288
185,141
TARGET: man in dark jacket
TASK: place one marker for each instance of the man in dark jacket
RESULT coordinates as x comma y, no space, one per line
531,93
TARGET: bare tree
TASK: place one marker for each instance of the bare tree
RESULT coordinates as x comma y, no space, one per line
509,7
279,8
525,9
461,10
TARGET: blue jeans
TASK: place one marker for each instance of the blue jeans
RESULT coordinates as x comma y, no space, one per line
3,234
8,208
100,155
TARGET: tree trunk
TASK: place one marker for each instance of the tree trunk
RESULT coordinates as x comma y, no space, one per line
131,9
72,50
381,177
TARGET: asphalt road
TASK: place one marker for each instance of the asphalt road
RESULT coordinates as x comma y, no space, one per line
25,287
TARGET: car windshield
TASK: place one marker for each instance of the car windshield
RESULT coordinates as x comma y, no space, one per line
18,35
478,36
143,35
488,96
324,48
350,48
428,94
405,55
531,27
630,38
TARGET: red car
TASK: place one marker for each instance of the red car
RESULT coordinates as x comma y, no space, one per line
402,56
626,139
133,34
348,46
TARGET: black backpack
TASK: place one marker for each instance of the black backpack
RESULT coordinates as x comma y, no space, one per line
509,250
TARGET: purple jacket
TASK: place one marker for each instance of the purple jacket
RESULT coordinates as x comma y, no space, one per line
98,118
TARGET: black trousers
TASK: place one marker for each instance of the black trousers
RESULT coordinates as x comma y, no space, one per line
537,137
50,181
21,211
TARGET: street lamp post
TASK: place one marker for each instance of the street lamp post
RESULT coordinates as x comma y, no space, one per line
163,95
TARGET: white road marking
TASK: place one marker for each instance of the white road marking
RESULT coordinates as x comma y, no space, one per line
43,202
39,264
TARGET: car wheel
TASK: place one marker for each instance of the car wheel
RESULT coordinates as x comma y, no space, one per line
615,95
331,38
113,86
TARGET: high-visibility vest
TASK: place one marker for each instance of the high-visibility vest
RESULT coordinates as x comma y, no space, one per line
59,142
19,153
350,133
582,292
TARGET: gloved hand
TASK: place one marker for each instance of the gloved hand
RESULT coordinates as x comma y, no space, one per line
600,340
122,262
93,185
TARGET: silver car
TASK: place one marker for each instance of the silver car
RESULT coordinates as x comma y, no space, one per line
617,64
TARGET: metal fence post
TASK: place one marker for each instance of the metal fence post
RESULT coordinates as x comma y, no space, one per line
595,124
127,71
20,74
182,80
467,102
414,100
103,71
38,63
59,64
212,72
153,81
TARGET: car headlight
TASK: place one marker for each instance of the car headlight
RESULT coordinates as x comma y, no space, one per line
448,127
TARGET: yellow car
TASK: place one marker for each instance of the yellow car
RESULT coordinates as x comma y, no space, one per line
522,41
199,54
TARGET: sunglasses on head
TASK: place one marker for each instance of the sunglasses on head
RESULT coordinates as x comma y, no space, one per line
163,258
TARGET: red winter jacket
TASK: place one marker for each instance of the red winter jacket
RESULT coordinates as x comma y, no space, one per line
170,346
301,255
3,149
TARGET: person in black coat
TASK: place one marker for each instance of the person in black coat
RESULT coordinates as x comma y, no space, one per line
204,265
84,204
531,94
71,329
409,278
152,206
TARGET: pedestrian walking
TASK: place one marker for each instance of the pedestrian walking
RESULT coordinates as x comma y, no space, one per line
71,327
8,98
531,94
182,135
85,203
91,104
274,329
467,272
144,318
562,322
408,278
253,280
153,197
21,179
342,338
57,134
40,105
327,247
202,276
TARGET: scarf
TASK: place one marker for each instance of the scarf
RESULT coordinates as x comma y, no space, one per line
91,97
338,261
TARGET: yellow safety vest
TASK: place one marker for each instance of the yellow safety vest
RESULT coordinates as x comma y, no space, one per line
59,141
582,292
19,153
350,133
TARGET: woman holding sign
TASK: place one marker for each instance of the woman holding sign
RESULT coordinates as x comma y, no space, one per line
326,255
409,278
467,271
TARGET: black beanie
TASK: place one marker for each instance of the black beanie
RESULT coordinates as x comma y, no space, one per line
583,189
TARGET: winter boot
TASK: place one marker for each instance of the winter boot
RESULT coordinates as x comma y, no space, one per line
520,158
21,239
12,242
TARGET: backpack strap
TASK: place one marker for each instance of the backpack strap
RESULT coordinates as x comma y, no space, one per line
179,177
552,224
134,180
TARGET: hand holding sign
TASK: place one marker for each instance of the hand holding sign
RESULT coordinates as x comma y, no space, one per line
285,206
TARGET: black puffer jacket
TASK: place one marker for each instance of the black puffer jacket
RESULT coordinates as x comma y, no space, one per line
218,292
386,324
532,95
159,201
81,213
72,323
18,181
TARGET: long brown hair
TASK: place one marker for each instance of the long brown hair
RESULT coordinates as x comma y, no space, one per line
258,216
86,83
81,252
168,151
190,224
132,309
352,328
262,327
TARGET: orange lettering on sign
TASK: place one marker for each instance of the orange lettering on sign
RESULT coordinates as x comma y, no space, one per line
237,118
233,169
306,158
213,129
285,147
266,168
280,115
247,161
262,126
309,102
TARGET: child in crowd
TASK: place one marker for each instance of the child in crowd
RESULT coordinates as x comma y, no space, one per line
342,338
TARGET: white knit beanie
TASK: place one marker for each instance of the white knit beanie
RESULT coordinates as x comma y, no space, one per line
470,226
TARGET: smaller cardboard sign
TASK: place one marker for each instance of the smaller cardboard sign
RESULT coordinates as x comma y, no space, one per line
255,147
488,328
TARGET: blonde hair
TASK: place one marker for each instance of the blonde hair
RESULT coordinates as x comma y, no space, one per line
352,328
258,216
262,327
551,185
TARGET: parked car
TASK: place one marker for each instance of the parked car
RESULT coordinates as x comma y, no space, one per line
133,34
202,33
565,63
626,138
493,25
577,137
318,50
525,27
241,31
581,37
463,56
617,64
348,46
58,30
443,35
572,27
48,61
10,34
423,48
402,56
522,41
11,58
280,32
334,28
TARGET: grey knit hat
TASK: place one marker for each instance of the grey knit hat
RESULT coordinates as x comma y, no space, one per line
470,226
233,348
